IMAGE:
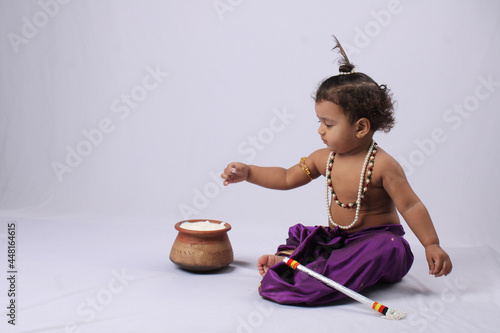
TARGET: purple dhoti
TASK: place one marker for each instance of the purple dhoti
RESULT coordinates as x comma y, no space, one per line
356,260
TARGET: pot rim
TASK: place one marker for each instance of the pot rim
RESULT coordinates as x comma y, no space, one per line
178,227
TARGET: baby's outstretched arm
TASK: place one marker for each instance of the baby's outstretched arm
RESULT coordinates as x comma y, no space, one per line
270,177
273,177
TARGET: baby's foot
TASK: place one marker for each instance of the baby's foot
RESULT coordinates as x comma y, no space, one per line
267,261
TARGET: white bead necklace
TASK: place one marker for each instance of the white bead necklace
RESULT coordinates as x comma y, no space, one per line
329,163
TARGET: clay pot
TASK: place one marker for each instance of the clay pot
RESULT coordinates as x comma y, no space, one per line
200,251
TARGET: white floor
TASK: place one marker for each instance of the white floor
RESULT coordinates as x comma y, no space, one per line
98,275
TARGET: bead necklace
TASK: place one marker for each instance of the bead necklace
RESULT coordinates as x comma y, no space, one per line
367,167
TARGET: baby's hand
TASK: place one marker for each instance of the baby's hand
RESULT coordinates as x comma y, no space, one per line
235,173
438,260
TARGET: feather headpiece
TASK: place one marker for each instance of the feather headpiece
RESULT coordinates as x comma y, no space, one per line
346,67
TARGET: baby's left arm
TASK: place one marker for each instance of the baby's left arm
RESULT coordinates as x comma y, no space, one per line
415,214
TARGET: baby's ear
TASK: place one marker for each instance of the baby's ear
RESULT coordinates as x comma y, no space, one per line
363,127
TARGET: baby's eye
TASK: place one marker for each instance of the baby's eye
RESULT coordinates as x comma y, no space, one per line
327,125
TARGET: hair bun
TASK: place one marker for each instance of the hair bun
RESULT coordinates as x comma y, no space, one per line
346,68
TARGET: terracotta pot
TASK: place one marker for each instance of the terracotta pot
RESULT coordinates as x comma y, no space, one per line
199,251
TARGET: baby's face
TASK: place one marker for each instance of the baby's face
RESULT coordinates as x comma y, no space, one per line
335,129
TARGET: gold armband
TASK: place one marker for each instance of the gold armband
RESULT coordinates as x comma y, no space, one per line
304,167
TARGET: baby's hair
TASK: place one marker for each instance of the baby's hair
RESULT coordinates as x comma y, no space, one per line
358,95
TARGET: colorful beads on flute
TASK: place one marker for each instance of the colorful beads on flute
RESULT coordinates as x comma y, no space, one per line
292,263
380,308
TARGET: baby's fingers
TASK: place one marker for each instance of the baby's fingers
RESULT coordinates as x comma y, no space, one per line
234,172
236,169
443,270
440,266
435,265
228,178
447,267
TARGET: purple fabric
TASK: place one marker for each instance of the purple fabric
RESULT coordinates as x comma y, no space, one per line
356,260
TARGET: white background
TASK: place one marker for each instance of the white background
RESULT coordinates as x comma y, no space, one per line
233,67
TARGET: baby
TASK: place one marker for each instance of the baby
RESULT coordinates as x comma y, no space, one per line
363,243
